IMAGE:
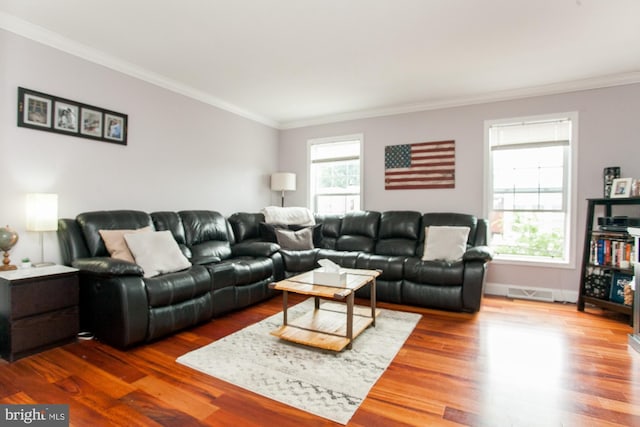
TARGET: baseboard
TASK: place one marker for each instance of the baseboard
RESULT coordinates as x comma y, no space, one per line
533,293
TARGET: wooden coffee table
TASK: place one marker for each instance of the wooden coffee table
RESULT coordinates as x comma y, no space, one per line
331,326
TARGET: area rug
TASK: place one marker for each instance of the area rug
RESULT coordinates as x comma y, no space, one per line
324,383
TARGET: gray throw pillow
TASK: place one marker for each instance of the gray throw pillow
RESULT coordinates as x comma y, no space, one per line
295,240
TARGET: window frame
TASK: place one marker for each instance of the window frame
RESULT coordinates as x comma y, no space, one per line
330,140
571,190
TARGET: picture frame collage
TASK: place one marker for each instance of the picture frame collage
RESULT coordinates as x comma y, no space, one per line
41,111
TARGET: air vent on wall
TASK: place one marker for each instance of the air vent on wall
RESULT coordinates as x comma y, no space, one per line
532,294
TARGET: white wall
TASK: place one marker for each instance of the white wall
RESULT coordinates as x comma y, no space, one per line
609,129
182,154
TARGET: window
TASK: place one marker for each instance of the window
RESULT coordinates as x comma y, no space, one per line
529,199
335,174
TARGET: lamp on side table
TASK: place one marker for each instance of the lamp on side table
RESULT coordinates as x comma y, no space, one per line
42,215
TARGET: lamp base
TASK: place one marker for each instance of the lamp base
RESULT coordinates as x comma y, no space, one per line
43,264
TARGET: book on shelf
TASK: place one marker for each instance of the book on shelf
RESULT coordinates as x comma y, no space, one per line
611,252
618,283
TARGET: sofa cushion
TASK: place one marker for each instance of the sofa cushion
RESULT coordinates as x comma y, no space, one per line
173,288
392,267
156,252
330,230
247,271
171,221
207,233
246,226
359,231
295,240
439,273
447,219
299,261
116,245
447,243
91,222
399,233
346,259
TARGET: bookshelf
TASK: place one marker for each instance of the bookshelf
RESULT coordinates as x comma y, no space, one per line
608,259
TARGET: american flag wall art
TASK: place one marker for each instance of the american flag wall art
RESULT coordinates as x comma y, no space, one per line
421,165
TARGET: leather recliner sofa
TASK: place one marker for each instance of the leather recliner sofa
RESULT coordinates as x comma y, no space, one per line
393,242
123,308
233,265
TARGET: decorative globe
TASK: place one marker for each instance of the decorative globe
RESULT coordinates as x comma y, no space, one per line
8,238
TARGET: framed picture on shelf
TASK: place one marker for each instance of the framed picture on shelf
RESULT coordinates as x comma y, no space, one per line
609,174
621,188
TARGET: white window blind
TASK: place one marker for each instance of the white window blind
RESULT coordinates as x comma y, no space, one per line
530,165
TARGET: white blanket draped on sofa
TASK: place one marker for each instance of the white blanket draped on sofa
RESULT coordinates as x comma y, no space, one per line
288,215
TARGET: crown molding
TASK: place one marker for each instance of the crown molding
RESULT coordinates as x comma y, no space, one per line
508,95
41,35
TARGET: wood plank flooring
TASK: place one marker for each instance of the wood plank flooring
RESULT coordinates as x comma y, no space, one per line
515,363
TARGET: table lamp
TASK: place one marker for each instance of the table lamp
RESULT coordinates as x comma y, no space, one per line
42,215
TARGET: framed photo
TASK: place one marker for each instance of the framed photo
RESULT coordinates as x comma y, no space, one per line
40,111
114,127
621,188
65,116
34,109
91,122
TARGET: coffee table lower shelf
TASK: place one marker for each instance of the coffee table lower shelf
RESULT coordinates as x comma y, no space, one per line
326,327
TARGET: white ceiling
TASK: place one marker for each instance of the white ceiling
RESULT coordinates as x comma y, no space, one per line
289,63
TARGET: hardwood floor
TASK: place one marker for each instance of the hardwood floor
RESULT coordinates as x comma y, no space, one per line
516,363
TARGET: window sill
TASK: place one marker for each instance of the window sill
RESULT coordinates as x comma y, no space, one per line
528,262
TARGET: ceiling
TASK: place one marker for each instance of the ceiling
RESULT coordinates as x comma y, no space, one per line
291,63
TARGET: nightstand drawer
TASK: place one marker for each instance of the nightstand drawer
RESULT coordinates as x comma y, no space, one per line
43,294
38,332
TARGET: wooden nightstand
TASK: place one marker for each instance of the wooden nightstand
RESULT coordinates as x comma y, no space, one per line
38,309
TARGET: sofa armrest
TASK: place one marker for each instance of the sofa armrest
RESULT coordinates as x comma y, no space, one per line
115,309
105,266
478,253
255,249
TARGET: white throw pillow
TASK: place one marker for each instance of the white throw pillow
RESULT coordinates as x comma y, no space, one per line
156,252
446,243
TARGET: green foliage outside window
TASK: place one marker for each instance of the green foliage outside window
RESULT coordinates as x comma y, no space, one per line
530,240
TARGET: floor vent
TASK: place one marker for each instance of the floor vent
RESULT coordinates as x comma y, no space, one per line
532,294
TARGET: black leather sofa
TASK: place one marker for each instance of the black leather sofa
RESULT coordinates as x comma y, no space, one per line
233,264
393,242
122,308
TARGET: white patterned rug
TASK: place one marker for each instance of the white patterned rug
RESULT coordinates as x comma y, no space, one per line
328,384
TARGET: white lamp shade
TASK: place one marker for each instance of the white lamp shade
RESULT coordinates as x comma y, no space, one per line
42,212
283,181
